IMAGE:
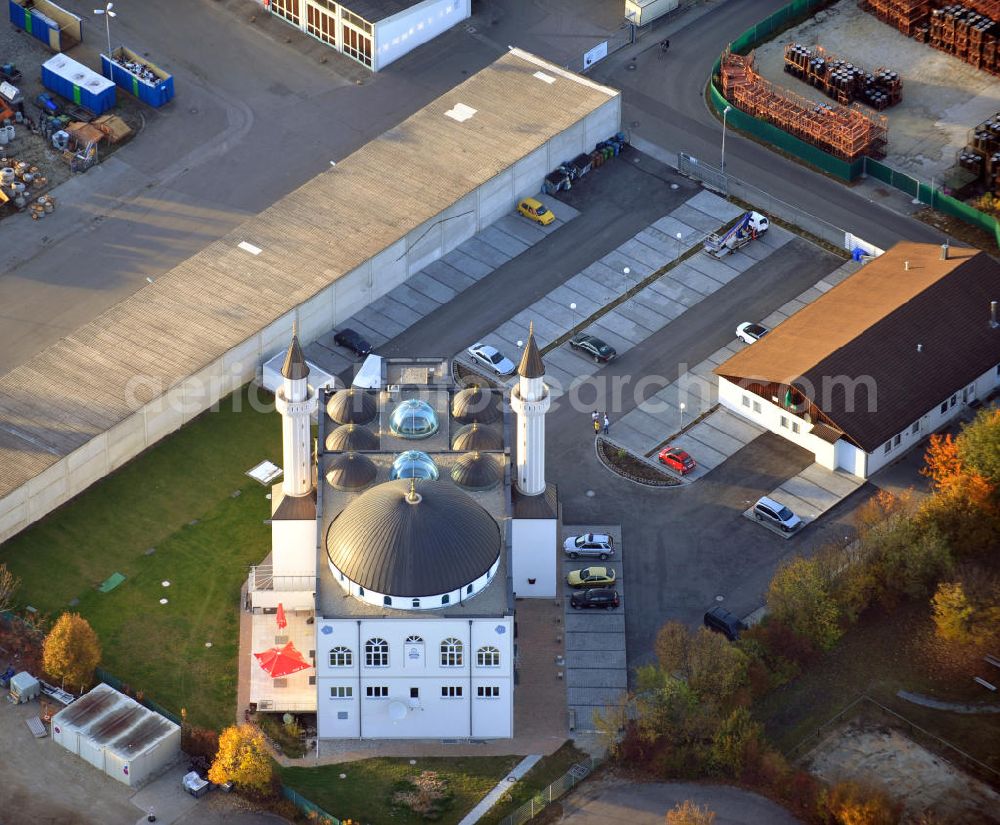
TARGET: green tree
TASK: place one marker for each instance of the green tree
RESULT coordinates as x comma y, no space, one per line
908,559
979,445
799,596
716,667
242,759
71,651
731,740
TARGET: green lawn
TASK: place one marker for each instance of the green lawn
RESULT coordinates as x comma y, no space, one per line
547,771
366,794
883,653
177,497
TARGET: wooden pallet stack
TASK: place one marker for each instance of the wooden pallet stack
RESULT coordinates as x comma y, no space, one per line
968,30
905,15
847,132
981,154
842,80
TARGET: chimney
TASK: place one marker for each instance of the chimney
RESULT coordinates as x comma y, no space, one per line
920,347
944,251
993,315
906,265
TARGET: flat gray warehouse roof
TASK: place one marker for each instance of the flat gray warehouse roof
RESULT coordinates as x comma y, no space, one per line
197,312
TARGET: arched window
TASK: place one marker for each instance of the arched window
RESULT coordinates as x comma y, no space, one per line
488,657
451,653
377,653
341,657
387,601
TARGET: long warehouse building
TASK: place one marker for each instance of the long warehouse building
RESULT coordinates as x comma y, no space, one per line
97,398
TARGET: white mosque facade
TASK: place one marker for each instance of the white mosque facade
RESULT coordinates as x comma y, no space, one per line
398,562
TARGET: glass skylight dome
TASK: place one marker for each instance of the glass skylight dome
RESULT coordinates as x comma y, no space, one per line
414,464
413,419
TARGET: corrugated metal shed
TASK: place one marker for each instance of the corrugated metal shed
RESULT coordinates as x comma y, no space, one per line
221,297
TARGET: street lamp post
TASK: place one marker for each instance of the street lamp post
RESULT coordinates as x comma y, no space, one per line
724,113
108,14
627,272
572,308
682,415
680,237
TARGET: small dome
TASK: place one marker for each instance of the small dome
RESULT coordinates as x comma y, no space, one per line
475,471
414,464
473,404
350,471
413,419
350,437
406,538
473,437
352,407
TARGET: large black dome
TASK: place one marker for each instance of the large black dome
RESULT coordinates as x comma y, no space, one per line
432,540
351,437
352,406
477,437
473,404
351,471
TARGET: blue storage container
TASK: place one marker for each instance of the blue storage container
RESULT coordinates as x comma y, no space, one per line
53,25
145,80
76,82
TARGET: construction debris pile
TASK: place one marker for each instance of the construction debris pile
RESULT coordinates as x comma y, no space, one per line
969,30
842,80
846,132
138,68
981,155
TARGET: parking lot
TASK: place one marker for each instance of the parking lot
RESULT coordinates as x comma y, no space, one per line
596,660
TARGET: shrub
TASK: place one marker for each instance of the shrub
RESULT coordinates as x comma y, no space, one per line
851,803
731,742
799,596
687,813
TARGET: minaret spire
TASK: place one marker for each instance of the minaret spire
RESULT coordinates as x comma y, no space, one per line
530,401
296,401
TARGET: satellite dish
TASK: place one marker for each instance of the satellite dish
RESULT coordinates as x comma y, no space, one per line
397,711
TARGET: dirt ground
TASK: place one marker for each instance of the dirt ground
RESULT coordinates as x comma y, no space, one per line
943,97
28,54
925,782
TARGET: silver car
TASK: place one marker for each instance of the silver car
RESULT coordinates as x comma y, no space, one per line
589,545
776,513
491,358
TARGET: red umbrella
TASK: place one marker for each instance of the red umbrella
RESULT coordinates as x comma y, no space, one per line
282,622
282,661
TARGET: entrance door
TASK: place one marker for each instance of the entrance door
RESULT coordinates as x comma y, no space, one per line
969,393
321,23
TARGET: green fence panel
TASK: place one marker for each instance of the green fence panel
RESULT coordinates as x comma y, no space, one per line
877,170
308,808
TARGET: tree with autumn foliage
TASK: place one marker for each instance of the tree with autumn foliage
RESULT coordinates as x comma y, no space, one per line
965,473
9,583
71,651
687,813
242,759
854,804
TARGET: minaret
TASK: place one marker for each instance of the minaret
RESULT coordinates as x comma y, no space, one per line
530,401
296,401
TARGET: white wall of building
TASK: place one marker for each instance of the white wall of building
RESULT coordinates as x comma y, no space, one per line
403,32
345,710
331,306
534,555
293,548
844,455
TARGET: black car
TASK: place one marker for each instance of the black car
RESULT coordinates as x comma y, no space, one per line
724,622
594,347
353,341
596,597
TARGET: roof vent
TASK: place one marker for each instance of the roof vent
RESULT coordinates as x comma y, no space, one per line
944,251
920,347
906,265
460,112
545,77
249,247
993,315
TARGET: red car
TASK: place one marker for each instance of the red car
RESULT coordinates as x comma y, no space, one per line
677,460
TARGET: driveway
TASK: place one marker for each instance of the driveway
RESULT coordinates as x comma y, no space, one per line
608,801
45,783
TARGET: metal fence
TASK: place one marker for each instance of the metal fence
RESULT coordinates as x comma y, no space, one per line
881,713
925,193
312,811
726,184
534,806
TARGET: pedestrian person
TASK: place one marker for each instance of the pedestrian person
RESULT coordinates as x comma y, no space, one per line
597,426
594,416
607,424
